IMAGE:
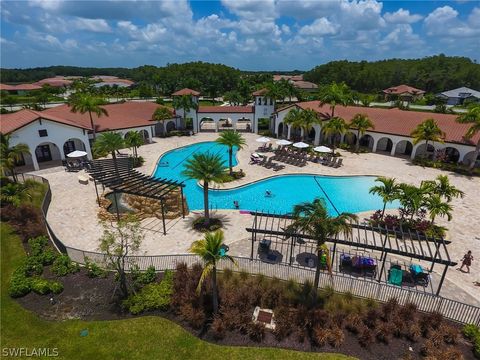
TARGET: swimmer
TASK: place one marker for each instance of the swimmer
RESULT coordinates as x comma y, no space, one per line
235,203
268,193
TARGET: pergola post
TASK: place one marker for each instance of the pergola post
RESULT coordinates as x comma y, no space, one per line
437,247
116,203
96,191
442,279
332,260
163,217
383,267
181,199
292,241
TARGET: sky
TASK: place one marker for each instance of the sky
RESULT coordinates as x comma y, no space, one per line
246,34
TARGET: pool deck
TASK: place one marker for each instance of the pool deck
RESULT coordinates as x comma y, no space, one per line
73,209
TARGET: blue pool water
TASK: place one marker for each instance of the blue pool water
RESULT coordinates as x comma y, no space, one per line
341,194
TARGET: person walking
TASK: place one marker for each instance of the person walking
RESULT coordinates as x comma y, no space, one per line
467,261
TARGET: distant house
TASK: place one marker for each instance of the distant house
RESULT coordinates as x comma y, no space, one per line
298,82
22,89
403,92
459,96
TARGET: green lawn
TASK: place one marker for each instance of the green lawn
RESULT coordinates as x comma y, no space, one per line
140,338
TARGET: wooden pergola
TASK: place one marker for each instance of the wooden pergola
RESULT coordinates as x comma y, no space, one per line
122,178
277,228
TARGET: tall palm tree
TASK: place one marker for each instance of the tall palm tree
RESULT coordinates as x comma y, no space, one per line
88,103
109,142
442,187
388,190
360,122
231,139
209,250
161,114
437,207
275,91
335,94
134,140
9,155
335,126
294,118
313,219
427,131
412,198
472,117
308,118
186,103
208,168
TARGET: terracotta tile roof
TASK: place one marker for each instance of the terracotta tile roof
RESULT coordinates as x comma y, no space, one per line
304,84
19,119
20,87
120,116
55,82
402,89
260,92
397,122
225,109
186,91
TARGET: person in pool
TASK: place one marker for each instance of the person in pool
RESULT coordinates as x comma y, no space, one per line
236,204
268,193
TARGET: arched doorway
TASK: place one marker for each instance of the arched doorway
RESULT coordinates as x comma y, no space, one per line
350,138
207,124
469,157
145,136
331,138
47,152
452,154
385,144
404,147
423,151
244,125
367,141
171,126
311,135
72,145
280,130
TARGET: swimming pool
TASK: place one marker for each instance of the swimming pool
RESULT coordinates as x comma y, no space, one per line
341,193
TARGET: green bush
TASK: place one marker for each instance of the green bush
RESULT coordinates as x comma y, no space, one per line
472,332
20,284
93,270
33,266
152,296
56,287
38,245
40,285
63,266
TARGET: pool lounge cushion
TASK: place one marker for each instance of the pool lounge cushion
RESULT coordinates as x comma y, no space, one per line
395,277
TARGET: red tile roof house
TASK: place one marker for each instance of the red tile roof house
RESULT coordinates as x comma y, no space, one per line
21,89
403,92
53,133
391,133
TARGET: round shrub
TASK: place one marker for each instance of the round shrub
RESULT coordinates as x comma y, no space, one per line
56,287
40,286
33,265
20,285
63,266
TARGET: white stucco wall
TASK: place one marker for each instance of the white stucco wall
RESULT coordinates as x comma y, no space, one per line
234,117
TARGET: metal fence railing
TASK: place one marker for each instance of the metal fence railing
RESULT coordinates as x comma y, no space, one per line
427,302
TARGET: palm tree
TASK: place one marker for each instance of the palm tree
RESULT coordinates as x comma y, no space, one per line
472,117
388,190
186,103
442,187
437,207
109,142
427,131
294,118
207,168
308,118
85,102
362,123
288,89
335,94
134,140
275,91
161,114
209,250
9,155
334,127
313,219
412,198
231,138
15,194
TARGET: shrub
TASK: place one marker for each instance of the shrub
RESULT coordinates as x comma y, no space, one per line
366,337
354,323
148,276
56,287
20,285
38,245
472,333
152,296
414,332
40,286
429,349
320,335
93,270
336,337
256,331
408,312
33,266
450,334
48,257
383,332
193,315
218,328
63,265
284,322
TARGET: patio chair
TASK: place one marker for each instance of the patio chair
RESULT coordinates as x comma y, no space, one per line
269,148
277,167
333,162
339,163
263,161
268,164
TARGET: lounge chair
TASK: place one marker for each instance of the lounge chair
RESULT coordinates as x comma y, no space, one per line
263,161
269,148
333,162
268,164
277,167
339,163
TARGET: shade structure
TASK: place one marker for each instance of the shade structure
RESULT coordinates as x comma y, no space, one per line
263,139
283,142
76,154
323,149
301,145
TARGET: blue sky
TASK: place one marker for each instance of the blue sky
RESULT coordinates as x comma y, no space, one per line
247,34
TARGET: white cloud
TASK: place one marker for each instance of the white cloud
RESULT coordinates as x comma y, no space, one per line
94,25
402,16
319,27
444,21
251,9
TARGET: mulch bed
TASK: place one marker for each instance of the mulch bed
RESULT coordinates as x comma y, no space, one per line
91,299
